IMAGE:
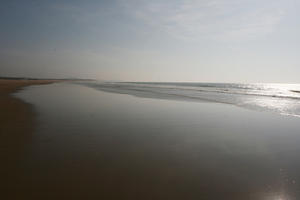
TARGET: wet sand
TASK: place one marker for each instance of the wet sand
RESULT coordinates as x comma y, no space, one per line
17,125
90,144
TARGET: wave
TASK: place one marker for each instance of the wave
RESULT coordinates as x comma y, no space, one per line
280,98
236,89
296,91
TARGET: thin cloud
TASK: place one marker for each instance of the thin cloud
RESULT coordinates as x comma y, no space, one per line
206,19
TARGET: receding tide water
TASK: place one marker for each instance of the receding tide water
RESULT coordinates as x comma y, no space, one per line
91,144
280,98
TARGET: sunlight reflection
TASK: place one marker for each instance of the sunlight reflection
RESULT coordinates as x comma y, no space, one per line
283,106
277,196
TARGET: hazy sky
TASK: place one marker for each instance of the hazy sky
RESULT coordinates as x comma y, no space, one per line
152,40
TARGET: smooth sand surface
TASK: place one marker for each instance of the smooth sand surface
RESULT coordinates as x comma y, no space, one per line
17,125
90,144
16,116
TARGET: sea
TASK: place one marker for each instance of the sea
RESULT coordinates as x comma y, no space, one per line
279,98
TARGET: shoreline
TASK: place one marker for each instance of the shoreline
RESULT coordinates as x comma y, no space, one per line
8,86
125,147
16,115
17,125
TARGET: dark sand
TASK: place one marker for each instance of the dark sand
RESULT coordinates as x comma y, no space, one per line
17,125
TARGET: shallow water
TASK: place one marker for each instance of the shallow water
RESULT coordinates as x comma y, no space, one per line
93,144
279,98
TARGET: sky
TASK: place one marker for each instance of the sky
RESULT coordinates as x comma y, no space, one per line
157,40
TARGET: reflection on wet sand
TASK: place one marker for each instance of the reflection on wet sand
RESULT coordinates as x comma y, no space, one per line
96,145
16,128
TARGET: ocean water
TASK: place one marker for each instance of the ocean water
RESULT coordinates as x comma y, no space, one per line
279,98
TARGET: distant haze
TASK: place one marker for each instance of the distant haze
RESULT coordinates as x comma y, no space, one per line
158,40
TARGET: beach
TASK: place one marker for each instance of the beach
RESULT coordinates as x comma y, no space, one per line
90,144
17,125
150,100
16,116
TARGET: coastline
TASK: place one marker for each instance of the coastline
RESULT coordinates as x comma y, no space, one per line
13,110
126,147
17,125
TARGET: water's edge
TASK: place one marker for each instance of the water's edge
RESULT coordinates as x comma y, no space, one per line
278,98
